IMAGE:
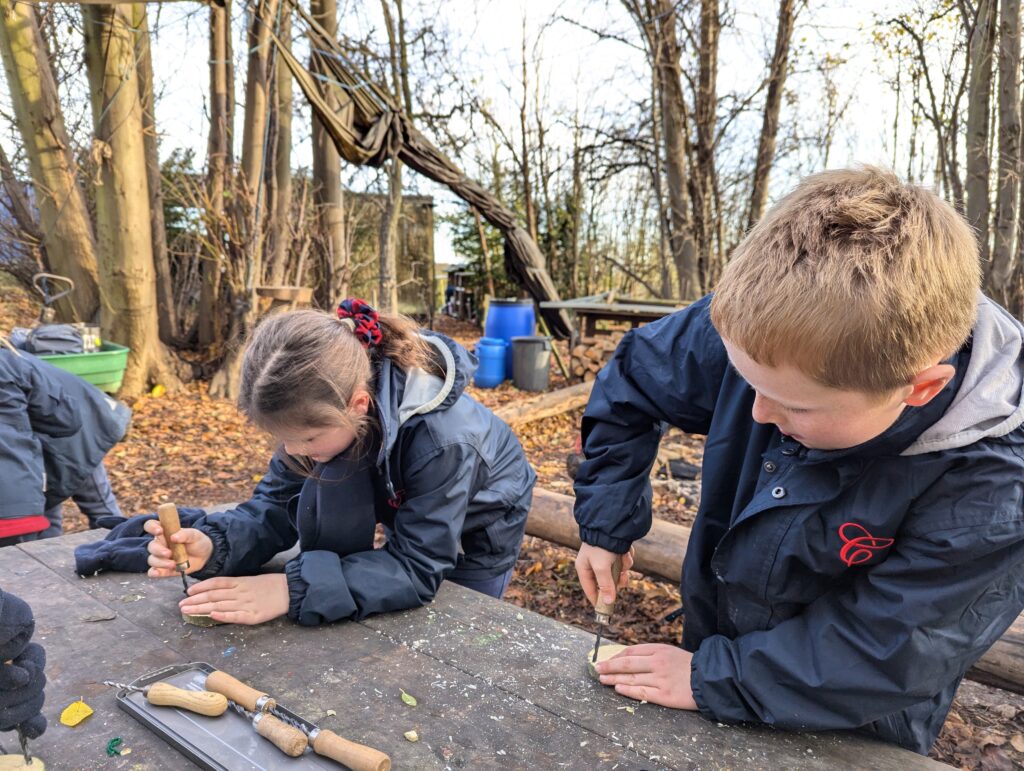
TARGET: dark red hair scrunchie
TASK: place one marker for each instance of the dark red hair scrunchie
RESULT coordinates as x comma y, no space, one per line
363,315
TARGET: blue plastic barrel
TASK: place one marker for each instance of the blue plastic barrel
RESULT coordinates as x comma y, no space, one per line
507,319
491,353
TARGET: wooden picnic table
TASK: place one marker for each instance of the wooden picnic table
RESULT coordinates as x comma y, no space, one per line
497,686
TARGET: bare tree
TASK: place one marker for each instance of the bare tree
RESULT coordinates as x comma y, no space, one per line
658,23
327,175
248,270
66,229
167,316
1000,270
393,202
773,101
218,167
979,91
124,233
279,174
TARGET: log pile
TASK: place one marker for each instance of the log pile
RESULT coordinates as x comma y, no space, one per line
591,353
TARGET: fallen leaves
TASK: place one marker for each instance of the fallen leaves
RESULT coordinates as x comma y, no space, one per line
75,713
408,698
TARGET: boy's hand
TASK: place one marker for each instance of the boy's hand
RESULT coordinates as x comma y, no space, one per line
242,600
656,673
198,547
594,567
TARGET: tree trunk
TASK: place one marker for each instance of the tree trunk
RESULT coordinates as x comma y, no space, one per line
393,207
675,130
67,231
218,163
770,122
327,176
485,250
166,309
524,156
224,383
123,226
979,91
279,235
1000,269
705,179
389,239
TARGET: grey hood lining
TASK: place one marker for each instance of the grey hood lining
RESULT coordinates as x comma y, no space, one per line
423,391
990,402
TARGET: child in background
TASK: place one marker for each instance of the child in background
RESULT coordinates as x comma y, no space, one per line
374,427
55,429
860,537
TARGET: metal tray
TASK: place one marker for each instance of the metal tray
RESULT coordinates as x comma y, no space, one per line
224,743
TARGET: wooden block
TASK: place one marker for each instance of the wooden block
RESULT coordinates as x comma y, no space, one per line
12,762
604,653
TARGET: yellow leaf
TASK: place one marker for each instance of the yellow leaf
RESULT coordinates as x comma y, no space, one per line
158,391
411,736
75,713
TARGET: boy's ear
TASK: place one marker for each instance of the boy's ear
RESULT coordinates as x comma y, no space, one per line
360,402
928,383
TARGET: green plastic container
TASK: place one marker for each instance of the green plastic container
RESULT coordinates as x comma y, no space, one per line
103,368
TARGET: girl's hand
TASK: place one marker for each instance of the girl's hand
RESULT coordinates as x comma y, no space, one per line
242,600
198,547
594,567
656,673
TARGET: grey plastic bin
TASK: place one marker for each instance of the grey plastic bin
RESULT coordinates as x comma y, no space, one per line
531,363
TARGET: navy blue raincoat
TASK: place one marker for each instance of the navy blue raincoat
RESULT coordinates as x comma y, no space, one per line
55,429
845,589
448,480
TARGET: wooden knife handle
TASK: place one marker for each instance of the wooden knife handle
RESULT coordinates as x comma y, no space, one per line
606,609
237,691
287,738
171,524
200,702
358,757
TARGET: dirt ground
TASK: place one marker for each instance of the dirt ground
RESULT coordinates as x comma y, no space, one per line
195,450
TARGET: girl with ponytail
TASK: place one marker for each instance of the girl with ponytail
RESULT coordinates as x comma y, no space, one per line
373,427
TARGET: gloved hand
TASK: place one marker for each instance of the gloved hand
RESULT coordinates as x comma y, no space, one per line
21,692
16,626
21,669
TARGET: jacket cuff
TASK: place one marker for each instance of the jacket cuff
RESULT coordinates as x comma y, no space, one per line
215,565
695,689
603,541
297,587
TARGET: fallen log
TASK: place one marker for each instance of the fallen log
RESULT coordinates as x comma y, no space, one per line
661,552
545,405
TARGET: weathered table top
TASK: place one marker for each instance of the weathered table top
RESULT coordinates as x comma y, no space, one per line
497,686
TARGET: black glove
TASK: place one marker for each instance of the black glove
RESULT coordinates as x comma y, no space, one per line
21,692
16,626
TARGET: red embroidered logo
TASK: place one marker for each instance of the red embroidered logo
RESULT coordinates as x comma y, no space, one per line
859,545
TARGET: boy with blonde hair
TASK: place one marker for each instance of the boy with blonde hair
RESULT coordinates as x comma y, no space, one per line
860,537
